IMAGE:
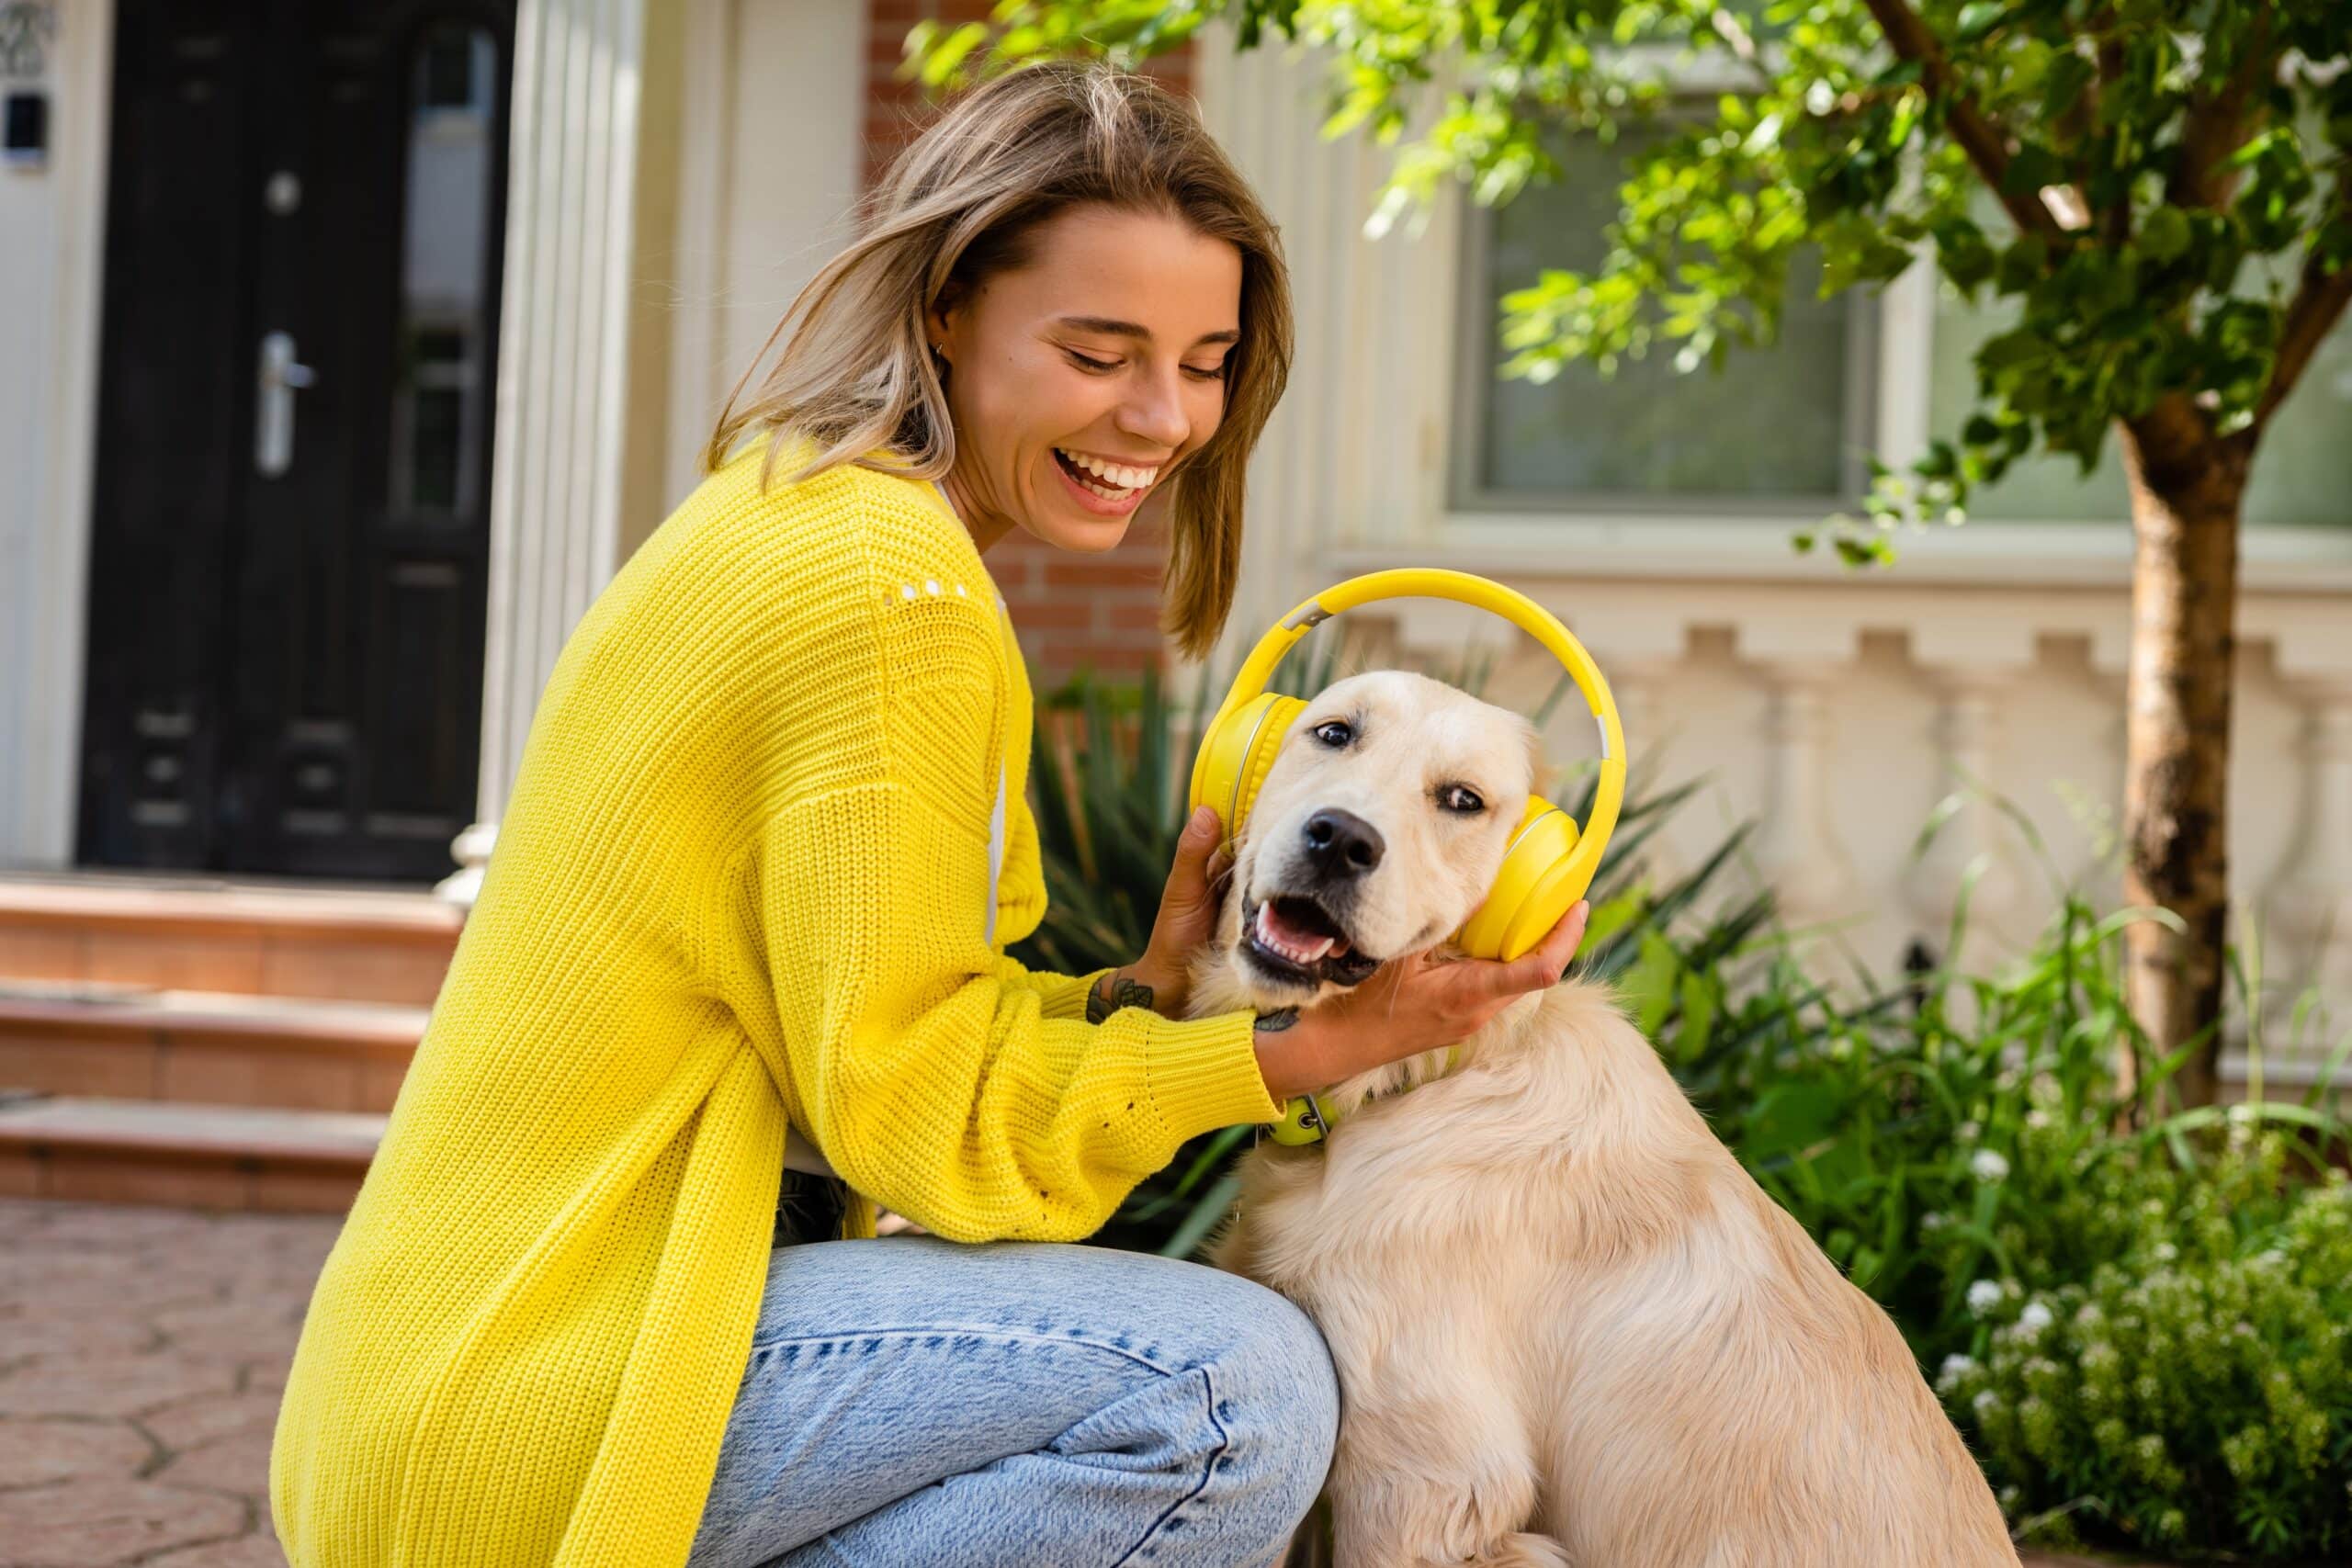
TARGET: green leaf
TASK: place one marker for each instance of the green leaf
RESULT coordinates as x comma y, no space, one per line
2021,264
2166,234
2033,167
1979,18
2069,74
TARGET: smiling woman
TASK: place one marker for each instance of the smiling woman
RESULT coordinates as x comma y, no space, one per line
737,973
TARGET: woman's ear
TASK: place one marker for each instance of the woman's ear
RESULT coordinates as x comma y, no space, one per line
939,319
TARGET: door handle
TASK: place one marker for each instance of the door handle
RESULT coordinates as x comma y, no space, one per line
279,378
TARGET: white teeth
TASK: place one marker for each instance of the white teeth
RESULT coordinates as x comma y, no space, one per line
1292,951
1117,474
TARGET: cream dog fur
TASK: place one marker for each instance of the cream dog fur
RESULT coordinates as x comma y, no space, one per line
1569,1329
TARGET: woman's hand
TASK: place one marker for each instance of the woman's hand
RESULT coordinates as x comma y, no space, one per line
1188,908
1409,1006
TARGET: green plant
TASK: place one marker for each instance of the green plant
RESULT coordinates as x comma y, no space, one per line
2194,1392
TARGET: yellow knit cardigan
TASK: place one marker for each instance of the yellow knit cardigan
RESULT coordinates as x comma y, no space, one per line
744,880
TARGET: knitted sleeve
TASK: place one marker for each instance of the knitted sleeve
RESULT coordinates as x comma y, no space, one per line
940,1078
1058,996
934,1084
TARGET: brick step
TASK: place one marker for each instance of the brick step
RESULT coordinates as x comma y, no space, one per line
204,1048
186,1157
343,944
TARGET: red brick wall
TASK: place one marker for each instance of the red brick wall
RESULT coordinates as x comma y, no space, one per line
1071,611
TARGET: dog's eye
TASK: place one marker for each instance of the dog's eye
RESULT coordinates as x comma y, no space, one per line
1334,733
1461,798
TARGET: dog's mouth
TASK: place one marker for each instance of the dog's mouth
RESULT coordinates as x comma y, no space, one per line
1292,937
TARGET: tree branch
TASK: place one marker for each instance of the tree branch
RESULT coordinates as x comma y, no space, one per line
2216,125
1987,148
2320,295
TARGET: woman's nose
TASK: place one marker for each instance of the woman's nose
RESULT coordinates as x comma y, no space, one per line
1154,411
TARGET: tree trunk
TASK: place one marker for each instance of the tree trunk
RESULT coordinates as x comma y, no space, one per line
2187,487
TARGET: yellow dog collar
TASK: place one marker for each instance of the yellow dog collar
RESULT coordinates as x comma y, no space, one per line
1306,1120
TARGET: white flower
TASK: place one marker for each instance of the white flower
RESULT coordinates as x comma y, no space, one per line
1984,1296
1954,1369
2013,1055
1968,1131
1988,1165
1986,1401
2034,1319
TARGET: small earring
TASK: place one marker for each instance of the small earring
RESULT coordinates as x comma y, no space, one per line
938,360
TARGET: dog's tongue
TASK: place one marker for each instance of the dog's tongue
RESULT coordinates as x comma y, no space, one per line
1301,944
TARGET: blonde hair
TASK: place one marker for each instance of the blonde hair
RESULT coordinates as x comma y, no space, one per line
962,203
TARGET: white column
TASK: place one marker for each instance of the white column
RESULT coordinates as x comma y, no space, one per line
556,479
1797,852
54,219
2311,902
1974,665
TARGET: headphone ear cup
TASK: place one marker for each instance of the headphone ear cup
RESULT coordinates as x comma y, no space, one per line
1533,888
1238,753
1274,720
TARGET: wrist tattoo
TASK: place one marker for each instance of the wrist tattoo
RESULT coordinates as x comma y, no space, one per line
1276,1022
1125,993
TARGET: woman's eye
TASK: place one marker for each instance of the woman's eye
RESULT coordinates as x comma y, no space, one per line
1103,367
1456,797
1335,733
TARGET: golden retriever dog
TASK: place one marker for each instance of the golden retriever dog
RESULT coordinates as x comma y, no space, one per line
1569,1329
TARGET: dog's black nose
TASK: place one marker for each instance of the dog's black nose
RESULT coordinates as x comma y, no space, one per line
1343,844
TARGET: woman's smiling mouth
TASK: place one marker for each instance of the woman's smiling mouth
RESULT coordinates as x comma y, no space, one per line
1104,487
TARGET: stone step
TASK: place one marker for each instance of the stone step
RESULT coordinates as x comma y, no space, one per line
189,1157
204,1048
346,944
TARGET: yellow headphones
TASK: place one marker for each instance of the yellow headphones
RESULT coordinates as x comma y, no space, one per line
1549,863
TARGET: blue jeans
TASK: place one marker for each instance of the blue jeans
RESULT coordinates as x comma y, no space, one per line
911,1401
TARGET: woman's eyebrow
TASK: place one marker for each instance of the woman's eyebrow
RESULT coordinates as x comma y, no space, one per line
1129,329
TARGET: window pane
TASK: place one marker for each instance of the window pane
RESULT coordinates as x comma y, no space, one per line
440,397
1772,425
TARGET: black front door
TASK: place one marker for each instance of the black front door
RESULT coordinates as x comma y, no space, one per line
290,512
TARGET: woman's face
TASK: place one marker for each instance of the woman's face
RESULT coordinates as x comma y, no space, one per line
1105,353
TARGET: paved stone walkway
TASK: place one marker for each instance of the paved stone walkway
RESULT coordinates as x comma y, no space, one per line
142,1356
143,1352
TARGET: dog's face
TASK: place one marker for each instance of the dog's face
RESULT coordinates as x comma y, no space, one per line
1378,831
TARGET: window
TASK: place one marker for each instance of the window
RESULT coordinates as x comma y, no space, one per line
1782,429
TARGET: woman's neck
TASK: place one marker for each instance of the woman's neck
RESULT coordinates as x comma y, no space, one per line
984,528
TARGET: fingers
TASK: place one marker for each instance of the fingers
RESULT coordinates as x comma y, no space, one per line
1543,964
1189,879
1550,959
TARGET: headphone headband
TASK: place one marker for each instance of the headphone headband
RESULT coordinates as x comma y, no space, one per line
1463,588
